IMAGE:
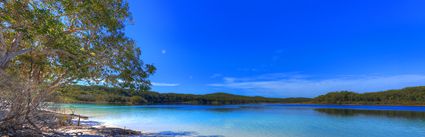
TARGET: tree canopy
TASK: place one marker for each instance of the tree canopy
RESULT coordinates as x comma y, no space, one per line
101,94
406,96
45,44
55,42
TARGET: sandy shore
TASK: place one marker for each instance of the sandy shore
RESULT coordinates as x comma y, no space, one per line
89,128
92,129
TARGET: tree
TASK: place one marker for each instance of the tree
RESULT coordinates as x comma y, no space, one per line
56,42
51,43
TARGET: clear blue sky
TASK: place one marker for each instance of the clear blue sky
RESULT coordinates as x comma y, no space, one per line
281,48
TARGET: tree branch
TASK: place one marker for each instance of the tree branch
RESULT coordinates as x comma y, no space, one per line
72,30
52,88
5,59
16,41
56,51
57,81
17,53
2,43
55,84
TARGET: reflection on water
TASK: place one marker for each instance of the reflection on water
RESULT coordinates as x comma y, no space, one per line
262,120
176,134
236,108
415,115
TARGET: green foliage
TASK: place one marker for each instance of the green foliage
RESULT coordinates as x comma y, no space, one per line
56,42
406,96
137,100
101,94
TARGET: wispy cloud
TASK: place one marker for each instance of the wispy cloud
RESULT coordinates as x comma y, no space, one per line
165,84
299,85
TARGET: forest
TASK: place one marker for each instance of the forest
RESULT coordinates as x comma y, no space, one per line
405,96
109,95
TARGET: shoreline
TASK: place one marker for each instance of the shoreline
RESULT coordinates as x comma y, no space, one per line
307,103
91,128
106,130
94,129
79,125
102,124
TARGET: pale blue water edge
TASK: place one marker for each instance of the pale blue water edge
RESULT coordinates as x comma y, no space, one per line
264,120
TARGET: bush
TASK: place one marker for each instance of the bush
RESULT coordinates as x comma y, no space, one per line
137,100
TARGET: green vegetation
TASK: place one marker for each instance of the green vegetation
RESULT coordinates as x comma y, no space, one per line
101,94
49,44
54,43
406,96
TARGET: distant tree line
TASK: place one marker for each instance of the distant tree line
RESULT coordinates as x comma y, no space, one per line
102,94
406,96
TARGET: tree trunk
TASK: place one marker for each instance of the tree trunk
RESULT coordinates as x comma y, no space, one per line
3,61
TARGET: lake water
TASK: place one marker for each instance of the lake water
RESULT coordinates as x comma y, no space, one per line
265,120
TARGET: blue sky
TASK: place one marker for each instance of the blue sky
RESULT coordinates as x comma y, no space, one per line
281,48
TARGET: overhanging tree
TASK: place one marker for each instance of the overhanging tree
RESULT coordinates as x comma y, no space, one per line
54,42
50,43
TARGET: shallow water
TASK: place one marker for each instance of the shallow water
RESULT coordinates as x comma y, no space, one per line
264,120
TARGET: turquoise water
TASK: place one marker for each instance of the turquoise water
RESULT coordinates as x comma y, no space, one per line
265,120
